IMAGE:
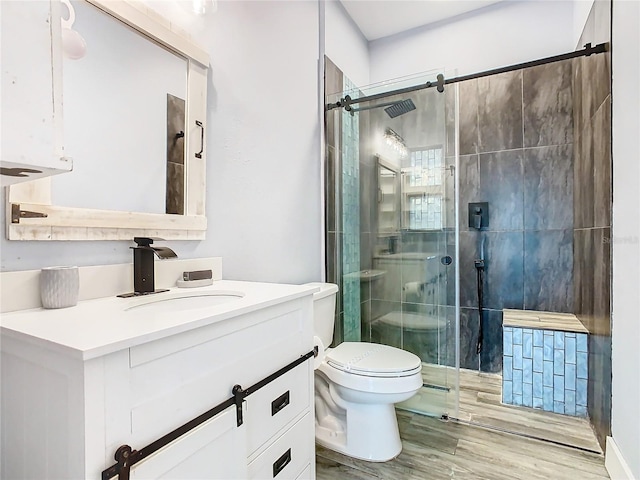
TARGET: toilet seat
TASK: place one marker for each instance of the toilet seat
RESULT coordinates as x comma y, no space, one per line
373,360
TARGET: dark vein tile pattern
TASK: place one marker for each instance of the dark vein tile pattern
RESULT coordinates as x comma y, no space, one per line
547,99
592,211
500,112
548,268
548,188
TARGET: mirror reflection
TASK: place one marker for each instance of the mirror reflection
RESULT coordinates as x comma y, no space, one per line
124,106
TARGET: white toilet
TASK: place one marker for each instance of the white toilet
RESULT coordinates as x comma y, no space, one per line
356,387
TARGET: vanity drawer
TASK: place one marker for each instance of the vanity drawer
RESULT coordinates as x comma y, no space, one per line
288,456
275,405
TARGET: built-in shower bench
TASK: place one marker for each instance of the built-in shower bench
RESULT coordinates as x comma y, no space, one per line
545,361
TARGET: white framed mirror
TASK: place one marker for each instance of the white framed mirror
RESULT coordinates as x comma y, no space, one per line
119,108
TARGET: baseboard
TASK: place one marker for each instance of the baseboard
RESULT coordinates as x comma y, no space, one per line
615,464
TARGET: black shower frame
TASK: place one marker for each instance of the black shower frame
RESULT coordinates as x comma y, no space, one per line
588,50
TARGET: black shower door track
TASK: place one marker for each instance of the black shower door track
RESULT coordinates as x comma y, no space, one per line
588,50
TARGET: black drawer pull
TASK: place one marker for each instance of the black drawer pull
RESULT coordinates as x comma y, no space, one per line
282,462
279,403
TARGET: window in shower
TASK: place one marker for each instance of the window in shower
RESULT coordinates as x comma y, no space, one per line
423,189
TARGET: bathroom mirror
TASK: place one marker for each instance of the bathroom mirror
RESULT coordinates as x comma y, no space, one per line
138,81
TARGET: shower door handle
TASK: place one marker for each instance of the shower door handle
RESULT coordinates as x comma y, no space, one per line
446,260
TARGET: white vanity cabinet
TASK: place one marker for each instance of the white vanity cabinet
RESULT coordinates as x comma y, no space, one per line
65,413
31,91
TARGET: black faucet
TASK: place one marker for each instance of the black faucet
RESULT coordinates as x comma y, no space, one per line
143,266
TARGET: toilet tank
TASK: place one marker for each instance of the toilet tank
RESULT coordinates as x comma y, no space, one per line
324,308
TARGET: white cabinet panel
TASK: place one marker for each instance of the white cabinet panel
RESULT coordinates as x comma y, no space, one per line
288,456
70,415
214,450
31,97
275,405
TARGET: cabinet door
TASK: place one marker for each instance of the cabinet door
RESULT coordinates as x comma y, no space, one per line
31,91
214,450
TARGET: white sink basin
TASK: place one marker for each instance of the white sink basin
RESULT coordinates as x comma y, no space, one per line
179,302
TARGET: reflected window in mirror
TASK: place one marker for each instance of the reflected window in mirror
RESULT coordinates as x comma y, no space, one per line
424,189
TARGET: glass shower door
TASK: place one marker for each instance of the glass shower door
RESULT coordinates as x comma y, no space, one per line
391,170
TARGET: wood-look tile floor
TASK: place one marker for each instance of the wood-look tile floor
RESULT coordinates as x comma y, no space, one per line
434,449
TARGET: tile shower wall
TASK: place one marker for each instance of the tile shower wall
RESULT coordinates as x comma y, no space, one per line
545,369
350,153
333,193
516,152
342,208
592,211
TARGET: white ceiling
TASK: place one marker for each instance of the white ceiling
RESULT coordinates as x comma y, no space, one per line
381,18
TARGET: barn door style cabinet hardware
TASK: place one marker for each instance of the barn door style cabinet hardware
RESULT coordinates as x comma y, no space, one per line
157,388
126,458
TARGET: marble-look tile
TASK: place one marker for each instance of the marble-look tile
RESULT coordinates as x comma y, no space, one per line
548,188
491,354
601,320
500,112
570,350
601,131
450,120
449,195
537,359
599,385
507,341
537,384
547,104
583,253
569,376
547,350
332,210
583,179
501,184
504,270
569,402
548,268
468,338
598,68
468,117
469,251
547,374
586,87
469,181
578,242
576,90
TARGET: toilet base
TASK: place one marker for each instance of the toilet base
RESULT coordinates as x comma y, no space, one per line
371,434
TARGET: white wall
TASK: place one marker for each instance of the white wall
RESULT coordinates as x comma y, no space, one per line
625,409
263,170
498,35
264,162
345,45
581,9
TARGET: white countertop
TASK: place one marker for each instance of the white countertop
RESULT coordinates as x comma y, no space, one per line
101,326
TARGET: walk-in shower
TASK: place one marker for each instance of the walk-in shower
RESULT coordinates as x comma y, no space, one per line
413,168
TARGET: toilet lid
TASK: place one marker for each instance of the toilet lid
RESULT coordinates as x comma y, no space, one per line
372,359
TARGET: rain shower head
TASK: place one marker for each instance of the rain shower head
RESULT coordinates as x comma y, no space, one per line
400,108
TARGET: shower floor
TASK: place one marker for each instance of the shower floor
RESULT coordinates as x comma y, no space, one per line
480,403
440,450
